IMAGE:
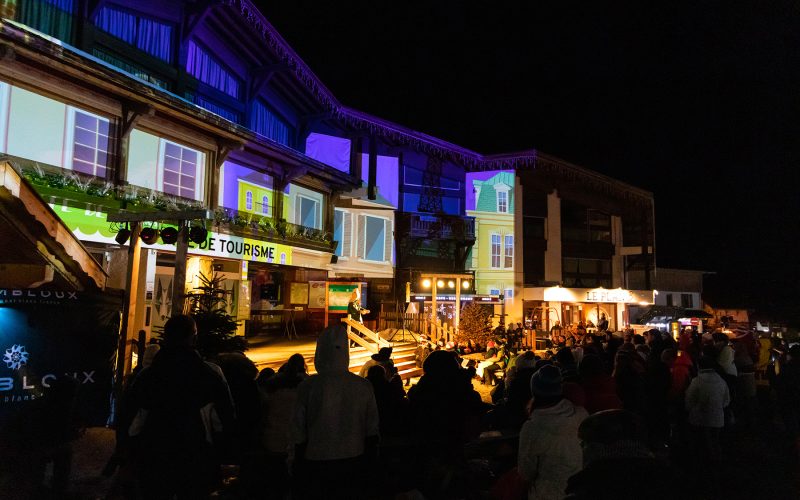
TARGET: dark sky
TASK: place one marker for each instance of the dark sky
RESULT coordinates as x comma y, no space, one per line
696,101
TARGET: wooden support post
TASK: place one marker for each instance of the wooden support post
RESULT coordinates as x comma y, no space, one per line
128,309
179,279
372,188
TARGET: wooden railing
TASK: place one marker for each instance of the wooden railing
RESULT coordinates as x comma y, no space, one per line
370,340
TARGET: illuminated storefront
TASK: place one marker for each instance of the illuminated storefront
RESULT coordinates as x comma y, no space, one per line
570,306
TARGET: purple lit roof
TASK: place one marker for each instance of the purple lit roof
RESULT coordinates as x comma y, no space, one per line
471,160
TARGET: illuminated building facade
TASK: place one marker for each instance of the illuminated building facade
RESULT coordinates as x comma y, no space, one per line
155,105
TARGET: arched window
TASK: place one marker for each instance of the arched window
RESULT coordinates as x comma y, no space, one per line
264,205
248,200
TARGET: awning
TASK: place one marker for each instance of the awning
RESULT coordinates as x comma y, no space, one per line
36,248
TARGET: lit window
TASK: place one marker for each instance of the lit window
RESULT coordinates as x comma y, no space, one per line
502,202
494,291
495,250
509,251
509,294
89,143
182,170
264,205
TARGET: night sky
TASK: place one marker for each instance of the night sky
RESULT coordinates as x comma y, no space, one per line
696,101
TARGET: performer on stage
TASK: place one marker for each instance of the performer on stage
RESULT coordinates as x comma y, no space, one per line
354,311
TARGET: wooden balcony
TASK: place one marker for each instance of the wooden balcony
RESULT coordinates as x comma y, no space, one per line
436,226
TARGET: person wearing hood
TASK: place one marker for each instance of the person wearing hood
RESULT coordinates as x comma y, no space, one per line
549,449
335,423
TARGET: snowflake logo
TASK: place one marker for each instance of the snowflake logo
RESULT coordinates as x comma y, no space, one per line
15,357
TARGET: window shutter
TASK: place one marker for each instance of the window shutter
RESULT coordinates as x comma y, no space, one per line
387,241
347,233
362,236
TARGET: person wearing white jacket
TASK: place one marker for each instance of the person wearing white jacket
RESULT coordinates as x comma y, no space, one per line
335,424
706,399
549,449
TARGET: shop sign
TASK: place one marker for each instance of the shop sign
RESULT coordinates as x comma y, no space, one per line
91,225
598,295
603,295
10,296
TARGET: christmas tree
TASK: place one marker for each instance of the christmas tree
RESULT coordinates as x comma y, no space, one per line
216,329
475,324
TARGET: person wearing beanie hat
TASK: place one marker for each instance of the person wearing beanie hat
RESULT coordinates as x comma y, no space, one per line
549,450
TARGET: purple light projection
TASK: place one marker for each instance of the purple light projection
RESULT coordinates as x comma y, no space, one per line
477,176
330,150
388,170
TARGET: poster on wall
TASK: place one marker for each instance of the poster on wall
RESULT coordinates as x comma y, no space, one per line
339,296
298,293
316,294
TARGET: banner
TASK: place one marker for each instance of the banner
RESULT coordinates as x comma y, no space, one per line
91,225
58,352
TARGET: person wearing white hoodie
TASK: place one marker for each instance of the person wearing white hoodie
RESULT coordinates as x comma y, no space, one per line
549,449
335,423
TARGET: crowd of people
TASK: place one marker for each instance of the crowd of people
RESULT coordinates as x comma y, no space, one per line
561,424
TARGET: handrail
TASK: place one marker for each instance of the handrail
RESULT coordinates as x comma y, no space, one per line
366,332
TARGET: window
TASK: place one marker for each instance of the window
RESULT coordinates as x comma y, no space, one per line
265,205
509,251
264,121
502,202
669,300
307,211
495,250
182,170
494,291
205,68
374,238
686,300
248,200
509,294
148,35
88,143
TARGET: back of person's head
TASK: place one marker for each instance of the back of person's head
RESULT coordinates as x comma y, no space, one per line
668,356
638,339
707,363
564,356
440,364
525,360
179,330
296,364
377,375
590,366
546,385
264,375
609,426
332,354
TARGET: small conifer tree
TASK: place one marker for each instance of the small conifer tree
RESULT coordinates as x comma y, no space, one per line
475,324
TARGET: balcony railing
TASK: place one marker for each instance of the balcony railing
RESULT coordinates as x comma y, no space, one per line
437,226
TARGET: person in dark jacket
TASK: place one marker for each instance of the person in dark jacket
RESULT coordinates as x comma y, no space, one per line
179,399
614,442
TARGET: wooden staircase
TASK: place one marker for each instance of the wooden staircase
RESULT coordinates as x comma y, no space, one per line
402,355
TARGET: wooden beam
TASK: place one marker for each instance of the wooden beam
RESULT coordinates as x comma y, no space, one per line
260,77
194,16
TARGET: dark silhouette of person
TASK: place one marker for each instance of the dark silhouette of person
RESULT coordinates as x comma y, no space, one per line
183,405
